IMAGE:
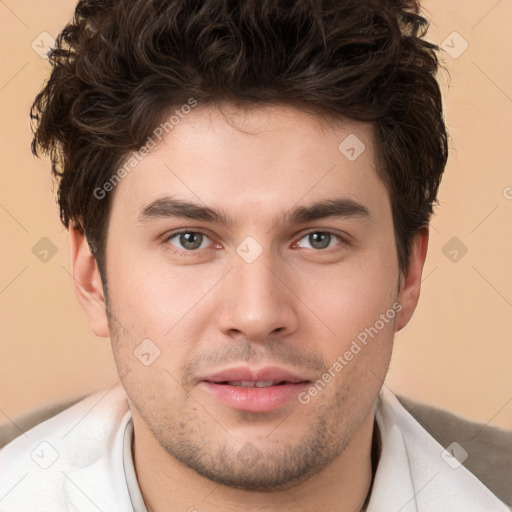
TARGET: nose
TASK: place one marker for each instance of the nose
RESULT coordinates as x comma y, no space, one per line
257,300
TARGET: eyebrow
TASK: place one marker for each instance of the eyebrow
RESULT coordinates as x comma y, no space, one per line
170,207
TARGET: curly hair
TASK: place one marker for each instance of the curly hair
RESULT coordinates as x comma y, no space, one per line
120,64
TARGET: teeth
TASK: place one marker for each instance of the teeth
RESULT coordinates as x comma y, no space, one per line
252,384
265,384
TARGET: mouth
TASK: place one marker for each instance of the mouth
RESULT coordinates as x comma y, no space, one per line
254,384
262,390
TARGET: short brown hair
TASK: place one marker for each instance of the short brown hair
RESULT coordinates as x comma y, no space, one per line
121,63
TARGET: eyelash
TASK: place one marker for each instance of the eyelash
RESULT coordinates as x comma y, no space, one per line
195,252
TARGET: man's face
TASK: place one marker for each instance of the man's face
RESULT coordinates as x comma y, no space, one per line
269,296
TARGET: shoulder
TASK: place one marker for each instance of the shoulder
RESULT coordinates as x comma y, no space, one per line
82,442
489,448
12,429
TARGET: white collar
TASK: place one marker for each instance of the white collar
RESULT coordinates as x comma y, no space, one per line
413,475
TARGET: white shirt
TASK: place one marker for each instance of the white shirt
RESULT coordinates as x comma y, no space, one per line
80,460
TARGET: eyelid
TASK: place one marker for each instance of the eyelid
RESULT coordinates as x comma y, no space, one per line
170,234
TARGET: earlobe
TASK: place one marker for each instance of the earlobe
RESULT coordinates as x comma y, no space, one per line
411,281
87,282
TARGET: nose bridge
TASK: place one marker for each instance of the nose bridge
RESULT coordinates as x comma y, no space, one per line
257,280
257,302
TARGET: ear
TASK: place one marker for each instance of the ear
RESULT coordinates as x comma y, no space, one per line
87,282
410,282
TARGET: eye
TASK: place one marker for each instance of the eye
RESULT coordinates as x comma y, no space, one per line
319,240
189,240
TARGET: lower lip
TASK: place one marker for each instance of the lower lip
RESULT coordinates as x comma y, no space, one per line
254,399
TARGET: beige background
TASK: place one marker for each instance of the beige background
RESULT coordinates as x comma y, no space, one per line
456,352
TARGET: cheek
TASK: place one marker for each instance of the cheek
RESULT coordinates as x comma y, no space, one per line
349,299
354,310
153,296
170,307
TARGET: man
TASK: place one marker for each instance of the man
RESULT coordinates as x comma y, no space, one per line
248,187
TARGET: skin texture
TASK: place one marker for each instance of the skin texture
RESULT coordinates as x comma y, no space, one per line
296,306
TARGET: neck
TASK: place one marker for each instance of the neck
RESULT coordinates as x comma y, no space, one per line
167,484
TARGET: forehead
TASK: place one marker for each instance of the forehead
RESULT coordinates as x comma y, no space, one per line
241,158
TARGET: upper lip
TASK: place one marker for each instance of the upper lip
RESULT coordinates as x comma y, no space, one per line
247,374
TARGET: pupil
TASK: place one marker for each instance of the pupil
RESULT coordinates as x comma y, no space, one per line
190,240
320,240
